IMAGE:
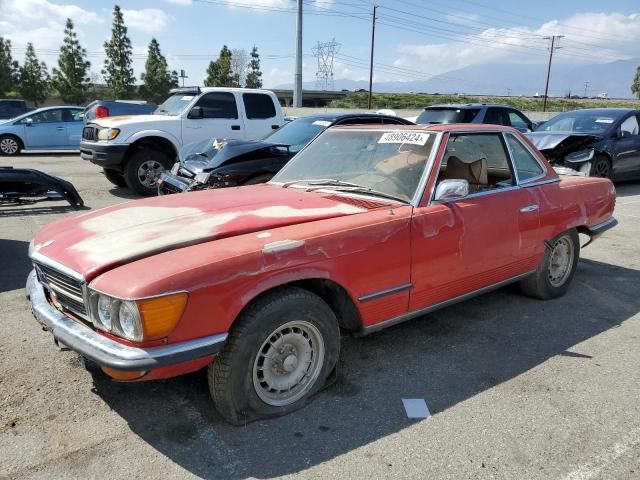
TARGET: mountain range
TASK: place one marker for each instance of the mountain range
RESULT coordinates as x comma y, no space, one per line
612,78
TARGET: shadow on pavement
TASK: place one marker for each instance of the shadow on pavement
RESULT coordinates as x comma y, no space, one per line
123,192
627,188
14,253
445,358
25,209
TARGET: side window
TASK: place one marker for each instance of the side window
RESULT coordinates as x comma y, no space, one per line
518,121
495,116
524,162
469,114
258,106
630,126
479,158
48,116
72,115
218,105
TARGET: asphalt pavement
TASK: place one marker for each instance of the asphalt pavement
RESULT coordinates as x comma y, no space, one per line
517,388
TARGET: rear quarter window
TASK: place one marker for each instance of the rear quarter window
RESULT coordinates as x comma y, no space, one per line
258,106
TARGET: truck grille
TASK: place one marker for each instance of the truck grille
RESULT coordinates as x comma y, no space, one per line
68,290
89,133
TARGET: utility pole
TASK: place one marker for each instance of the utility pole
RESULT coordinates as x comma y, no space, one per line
297,83
373,39
553,47
586,86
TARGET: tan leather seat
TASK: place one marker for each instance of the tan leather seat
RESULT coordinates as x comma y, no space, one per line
476,173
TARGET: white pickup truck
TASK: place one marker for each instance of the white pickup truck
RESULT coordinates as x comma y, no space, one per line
134,150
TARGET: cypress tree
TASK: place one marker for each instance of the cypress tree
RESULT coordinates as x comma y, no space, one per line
8,68
156,77
33,84
70,78
635,86
219,73
254,76
117,72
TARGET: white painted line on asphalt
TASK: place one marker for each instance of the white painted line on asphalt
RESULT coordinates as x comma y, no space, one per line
416,408
602,461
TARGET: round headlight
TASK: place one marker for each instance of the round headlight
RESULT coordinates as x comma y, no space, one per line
129,320
104,311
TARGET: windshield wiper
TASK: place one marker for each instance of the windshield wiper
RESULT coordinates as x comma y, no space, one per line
340,185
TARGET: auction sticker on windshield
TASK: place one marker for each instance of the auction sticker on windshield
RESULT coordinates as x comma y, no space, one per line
414,138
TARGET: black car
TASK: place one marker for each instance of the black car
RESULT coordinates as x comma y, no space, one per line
490,113
600,142
219,163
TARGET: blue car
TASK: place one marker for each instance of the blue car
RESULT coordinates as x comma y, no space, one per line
50,128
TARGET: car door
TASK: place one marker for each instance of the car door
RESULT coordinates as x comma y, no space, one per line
73,118
466,244
220,118
626,149
46,130
260,115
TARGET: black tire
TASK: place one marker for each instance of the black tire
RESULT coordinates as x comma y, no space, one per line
10,145
135,164
543,284
601,167
114,177
258,179
233,374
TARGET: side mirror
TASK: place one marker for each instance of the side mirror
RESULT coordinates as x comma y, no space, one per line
196,112
28,122
451,189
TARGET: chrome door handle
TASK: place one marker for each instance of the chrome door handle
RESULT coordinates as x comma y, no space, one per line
60,128
529,208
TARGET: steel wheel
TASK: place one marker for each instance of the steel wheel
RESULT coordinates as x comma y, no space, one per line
561,261
288,363
9,146
149,172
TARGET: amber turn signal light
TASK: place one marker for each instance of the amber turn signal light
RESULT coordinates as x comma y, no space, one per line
160,315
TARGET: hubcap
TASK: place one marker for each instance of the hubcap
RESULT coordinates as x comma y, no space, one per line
288,363
9,146
561,262
149,172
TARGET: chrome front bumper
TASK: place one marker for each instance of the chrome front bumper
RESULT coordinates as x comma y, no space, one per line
107,352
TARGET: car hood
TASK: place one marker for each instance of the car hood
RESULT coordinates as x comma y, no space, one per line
119,121
94,242
204,156
551,140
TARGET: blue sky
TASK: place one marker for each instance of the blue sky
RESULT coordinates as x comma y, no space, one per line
415,39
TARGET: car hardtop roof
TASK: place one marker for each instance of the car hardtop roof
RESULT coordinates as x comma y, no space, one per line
462,106
342,115
604,110
440,127
199,90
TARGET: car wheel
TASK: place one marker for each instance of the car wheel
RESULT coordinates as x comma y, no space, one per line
601,167
555,272
114,177
257,179
143,169
10,145
280,352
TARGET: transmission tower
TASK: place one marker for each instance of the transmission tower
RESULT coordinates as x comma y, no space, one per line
325,52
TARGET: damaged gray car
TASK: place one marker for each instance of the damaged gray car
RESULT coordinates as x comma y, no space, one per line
599,142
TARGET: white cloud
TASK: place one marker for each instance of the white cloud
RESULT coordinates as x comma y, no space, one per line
20,12
589,38
148,19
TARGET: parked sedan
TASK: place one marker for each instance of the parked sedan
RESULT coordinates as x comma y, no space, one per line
224,163
490,113
50,128
600,142
366,227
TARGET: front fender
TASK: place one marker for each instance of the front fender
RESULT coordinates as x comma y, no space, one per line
153,133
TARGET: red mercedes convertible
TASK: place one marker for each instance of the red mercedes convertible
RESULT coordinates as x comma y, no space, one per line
366,227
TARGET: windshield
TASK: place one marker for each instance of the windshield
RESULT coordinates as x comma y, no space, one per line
174,105
391,162
297,133
447,115
581,122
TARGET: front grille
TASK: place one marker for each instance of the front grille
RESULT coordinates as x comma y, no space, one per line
89,133
68,290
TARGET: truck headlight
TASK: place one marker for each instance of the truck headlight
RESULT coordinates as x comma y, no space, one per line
581,156
108,133
136,320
